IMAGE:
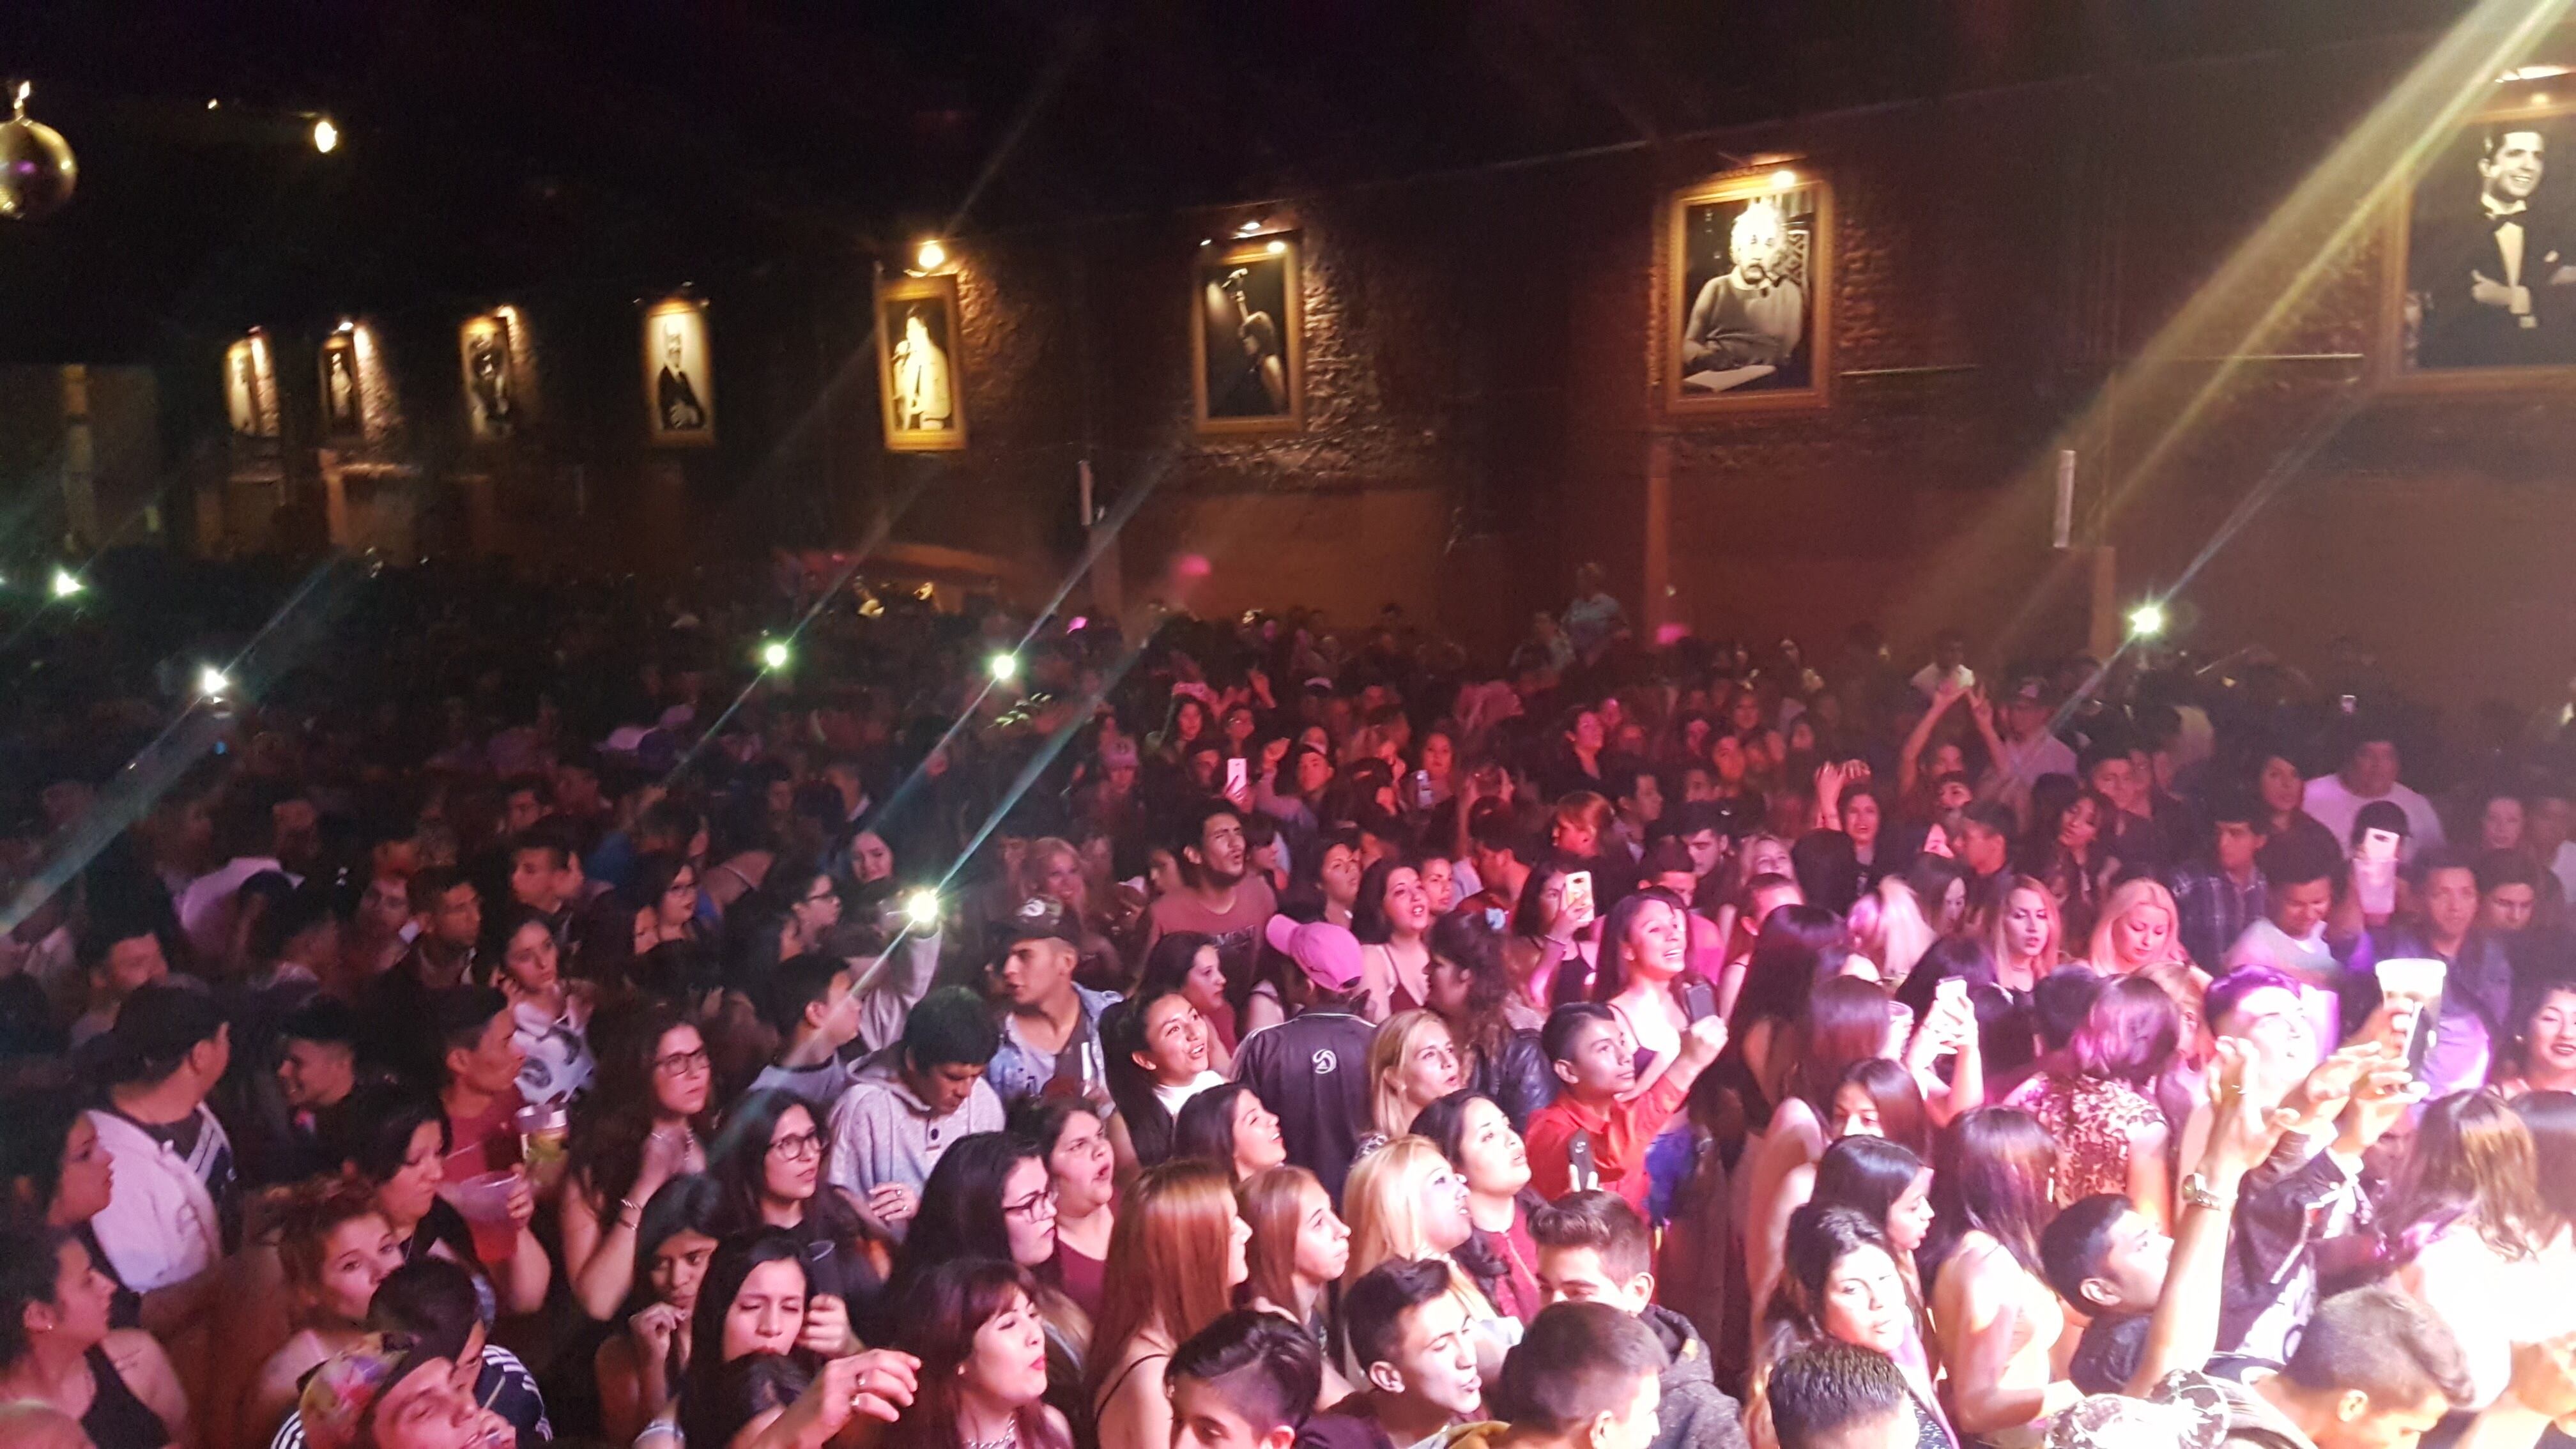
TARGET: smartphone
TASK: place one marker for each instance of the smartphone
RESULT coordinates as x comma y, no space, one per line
1422,789
1237,775
2374,872
1496,918
1699,1000
2378,846
2418,980
2348,703
1577,898
1585,1175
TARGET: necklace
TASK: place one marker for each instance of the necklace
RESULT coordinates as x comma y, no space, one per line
1009,1439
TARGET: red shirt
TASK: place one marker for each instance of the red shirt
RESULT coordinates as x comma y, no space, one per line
485,1142
1620,1136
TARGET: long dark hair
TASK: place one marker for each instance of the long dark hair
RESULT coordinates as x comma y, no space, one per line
701,1397
961,1207
611,1121
1610,973
1991,1174
1867,1175
1902,1119
1482,1028
1525,911
2473,1158
1445,1123
946,1307
2551,1119
690,1203
1845,1021
1819,1236
1205,1128
739,1159
1122,1036
1798,945
1368,913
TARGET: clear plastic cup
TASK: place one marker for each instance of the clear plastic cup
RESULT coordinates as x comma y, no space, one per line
484,1202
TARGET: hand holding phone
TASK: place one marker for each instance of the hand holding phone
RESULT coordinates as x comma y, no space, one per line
1699,999
1582,1174
1576,902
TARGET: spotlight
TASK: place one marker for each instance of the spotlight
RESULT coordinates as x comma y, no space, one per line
921,908
326,136
931,255
1783,179
774,654
66,583
1276,248
213,683
1248,228
1005,668
2147,621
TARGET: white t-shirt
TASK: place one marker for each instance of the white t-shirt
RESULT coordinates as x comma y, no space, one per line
2334,806
2563,866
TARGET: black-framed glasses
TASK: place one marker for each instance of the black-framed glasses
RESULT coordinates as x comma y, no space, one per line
808,1143
685,1063
1036,1206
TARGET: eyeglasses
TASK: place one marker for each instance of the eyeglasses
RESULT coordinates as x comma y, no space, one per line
818,897
1033,1208
804,1144
685,1064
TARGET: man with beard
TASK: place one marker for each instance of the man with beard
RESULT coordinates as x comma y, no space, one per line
2485,281
1217,898
1747,322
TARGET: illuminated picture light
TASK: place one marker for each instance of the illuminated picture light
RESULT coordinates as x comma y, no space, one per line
931,255
1783,179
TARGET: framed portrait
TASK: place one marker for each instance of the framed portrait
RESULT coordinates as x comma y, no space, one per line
920,380
1748,307
499,396
1247,337
250,387
2481,290
344,401
679,375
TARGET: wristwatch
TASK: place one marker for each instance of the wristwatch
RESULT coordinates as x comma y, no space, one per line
2195,1191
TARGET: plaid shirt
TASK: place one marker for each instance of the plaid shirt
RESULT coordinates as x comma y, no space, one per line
2215,911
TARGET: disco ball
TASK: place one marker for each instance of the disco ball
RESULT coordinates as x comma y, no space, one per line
37,171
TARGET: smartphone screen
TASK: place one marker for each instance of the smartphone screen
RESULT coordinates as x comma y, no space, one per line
1699,1000
1237,772
1577,900
1578,1154
2378,846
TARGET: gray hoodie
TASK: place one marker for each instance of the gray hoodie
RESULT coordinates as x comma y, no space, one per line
1696,1413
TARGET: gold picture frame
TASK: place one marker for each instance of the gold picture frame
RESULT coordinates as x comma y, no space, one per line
921,379
500,400
679,375
1248,336
2457,313
1743,331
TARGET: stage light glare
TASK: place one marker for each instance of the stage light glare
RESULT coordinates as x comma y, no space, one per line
2147,620
774,654
326,136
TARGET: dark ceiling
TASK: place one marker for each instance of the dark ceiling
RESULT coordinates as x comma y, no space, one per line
496,145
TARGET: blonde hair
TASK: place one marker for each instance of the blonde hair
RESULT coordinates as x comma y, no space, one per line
1382,1202
2127,897
1389,1049
1999,938
1888,927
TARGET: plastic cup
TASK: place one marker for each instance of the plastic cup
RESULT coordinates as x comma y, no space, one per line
484,1202
542,1129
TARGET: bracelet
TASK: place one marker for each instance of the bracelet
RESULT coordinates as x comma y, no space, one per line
627,1205
2195,1191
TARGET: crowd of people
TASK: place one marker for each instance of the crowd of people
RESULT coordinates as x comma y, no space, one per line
528,1018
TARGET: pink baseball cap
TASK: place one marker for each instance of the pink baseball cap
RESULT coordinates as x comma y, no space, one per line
1328,954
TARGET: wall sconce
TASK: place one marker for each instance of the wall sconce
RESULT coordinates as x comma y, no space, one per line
931,256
